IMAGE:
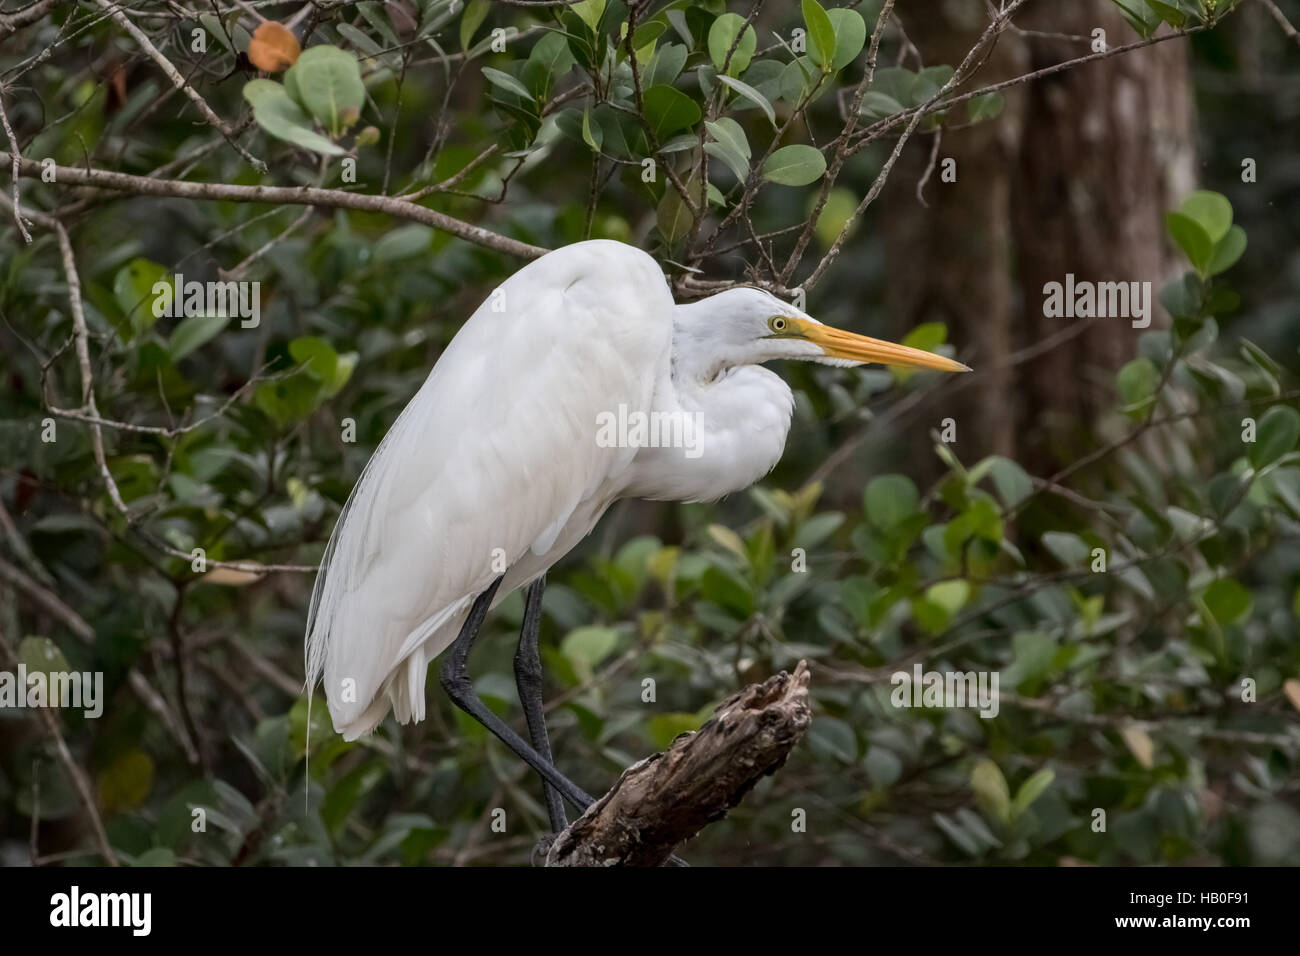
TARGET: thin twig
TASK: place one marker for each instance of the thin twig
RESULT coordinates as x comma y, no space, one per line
13,144
179,81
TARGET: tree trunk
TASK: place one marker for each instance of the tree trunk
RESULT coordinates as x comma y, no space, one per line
1074,177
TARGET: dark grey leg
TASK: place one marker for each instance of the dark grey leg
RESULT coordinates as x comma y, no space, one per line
455,681
528,681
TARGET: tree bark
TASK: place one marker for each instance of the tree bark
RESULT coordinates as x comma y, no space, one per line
1075,177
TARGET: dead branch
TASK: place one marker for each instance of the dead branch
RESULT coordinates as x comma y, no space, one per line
666,799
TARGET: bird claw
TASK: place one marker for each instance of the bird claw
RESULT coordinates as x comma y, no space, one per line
541,848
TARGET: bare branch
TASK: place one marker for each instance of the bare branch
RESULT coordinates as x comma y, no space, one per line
293,195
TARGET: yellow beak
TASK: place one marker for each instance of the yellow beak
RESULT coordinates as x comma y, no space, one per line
837,343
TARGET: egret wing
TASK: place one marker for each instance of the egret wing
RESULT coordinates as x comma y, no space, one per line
488,460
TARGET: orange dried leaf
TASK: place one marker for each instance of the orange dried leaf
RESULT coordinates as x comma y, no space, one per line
1291,688
273,47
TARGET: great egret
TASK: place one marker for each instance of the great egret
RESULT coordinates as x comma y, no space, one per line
503,462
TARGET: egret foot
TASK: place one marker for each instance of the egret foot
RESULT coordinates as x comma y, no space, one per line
541,848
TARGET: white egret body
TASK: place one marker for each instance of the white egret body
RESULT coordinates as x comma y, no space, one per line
496,464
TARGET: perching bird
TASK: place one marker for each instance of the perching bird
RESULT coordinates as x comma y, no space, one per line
498,467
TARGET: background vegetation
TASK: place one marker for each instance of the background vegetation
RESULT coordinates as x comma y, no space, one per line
1159,686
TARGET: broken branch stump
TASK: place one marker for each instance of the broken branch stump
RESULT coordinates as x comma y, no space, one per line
666,799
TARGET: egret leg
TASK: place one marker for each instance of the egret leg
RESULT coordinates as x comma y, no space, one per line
528,681
455,681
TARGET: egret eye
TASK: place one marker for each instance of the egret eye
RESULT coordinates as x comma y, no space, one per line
778,323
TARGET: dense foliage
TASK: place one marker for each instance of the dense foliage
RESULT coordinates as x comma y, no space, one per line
1141,606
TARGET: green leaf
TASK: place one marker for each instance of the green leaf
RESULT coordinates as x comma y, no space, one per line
646,34
730,134
476,12
673,216
949,595
125,783
794,165
156,856
1031,790
1227,251
593,136
327,81
889,500
1071,550
821,34
841,203
587,647
724,588
954,832
883,766
288,400
1170,14
1137,382
877,105
985,107
728,539
590,12
751,94
1139,16
1191,238
41,655
991,790
133,288
342,372
409,240
668,109
667,64
929,82
723,34
321,361
1182,298
736,163
1011,481
1227,601
283,118
663,729
835,738
981,520
193,332
1278,430
730,146
850,36
552,54
1209,210
504,81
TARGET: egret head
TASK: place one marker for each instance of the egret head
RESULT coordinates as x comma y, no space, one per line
748,326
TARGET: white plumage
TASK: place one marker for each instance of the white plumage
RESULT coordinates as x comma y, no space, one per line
496,462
